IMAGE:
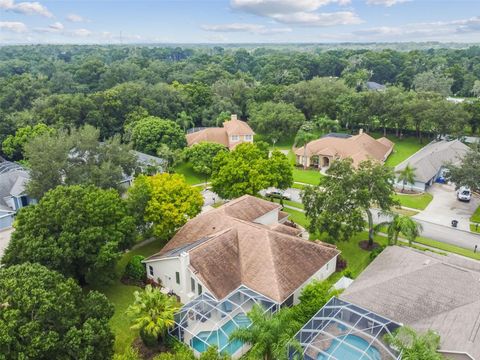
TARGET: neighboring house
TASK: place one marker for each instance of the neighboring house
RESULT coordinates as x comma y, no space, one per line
232,133
322,152
13,179
225,260
374,86
425,291
429,162
147,164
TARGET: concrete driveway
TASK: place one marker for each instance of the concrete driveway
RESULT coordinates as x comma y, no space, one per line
4,239
445,207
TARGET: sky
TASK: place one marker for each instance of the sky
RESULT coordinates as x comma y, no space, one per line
238,21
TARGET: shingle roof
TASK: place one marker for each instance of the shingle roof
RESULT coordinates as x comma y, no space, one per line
426,292
359,147
230,250
428,160
237,127
13,179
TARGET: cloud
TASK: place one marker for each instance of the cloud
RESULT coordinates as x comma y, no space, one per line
56,26
80,32
76,18
244,27
14,26
27,8
298,12
387,3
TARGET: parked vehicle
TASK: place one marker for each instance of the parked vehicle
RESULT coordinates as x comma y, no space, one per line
464,194
278,194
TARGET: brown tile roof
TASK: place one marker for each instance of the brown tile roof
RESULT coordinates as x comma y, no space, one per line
359,147
214,134
269,262
237,127
425,291
227,249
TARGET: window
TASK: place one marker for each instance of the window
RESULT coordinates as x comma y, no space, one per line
235,138
177,277
192,284
200,289
150,269
248,137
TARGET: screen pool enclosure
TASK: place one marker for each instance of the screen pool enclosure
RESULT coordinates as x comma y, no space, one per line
344,331
205,321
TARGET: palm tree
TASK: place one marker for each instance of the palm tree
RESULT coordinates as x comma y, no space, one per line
268,334
185,120
407,175
414,345
153,313
302,139
400,224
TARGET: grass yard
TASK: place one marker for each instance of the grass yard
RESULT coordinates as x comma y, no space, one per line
121,296
311,177
476,216
419,201
290,203
449,248
191,176
403,149
474,228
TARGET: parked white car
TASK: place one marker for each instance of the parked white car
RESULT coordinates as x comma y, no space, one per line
464,194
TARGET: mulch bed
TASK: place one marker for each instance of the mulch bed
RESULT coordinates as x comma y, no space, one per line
148,353
364,245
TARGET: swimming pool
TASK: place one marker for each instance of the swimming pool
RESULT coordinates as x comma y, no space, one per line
344,352
219,339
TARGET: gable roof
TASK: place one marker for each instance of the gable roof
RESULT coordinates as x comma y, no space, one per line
428,160
359,147
214,134
13,179
425,291
372,85
227,249
237,127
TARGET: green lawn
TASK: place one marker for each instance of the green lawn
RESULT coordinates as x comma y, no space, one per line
191,176
291,203
311,177
121,296
449,248
476,216
419,202
474,228
403,149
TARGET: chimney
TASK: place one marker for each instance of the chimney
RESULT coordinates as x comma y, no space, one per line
233,117
360,132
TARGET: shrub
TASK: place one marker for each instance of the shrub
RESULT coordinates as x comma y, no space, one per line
135,269
341,263
375,252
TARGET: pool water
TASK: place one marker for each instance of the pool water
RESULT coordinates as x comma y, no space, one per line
345,352
220,339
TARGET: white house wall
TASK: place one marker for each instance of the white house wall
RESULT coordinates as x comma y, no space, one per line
322,274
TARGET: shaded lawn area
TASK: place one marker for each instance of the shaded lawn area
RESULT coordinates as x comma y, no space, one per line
419,201
121,297
191,176
403,149
476,216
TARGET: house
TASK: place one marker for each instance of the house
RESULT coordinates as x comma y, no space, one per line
374,86
13,179
146,164
425,291
225,260
232,133
429,162
322,152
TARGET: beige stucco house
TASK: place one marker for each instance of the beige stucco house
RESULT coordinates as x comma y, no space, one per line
232,133
322,152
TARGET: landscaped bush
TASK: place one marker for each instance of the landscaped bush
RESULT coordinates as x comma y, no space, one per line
341,263
375,252
135,269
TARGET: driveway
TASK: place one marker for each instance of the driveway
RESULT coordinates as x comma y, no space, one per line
4,240
445,207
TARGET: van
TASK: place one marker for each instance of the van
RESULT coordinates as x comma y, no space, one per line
464,194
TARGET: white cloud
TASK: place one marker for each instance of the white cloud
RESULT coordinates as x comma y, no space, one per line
27,8
56,26
387,3
80,32
319,19
244,27
14,26
298,12
76,18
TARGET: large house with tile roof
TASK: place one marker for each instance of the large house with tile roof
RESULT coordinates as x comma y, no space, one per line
232,133
246,242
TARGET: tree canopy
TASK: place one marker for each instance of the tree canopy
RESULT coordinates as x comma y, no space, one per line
468,172
78,231
13,145
345,196
247,170
46,316
201,156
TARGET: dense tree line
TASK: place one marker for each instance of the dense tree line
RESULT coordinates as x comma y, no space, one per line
112,87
